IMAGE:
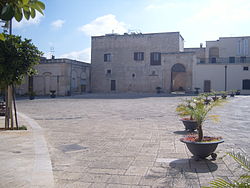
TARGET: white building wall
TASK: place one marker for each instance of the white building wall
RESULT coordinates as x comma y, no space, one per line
216,73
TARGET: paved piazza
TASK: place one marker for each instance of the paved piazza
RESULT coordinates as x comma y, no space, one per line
122,141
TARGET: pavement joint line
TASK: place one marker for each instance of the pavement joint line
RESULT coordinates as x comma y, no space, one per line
42,175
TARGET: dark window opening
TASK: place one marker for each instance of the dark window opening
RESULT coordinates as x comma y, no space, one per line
245,68
246,84
231,59
108,71
107,57
243,59
207,86
113,85
139,56
155,58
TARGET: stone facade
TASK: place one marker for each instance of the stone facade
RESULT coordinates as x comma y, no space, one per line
126,63
64,76
140,63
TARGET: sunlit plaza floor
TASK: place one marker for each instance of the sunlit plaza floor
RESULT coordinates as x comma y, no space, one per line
116,141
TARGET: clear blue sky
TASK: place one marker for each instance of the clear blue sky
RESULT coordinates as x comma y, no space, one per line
67,26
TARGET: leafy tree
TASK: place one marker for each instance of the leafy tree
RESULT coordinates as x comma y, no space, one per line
17,59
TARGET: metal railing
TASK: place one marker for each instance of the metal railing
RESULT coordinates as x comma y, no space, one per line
228,60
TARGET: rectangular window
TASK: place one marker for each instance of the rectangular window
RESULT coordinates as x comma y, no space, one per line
155,58
108,72
231,59
246,84
107,57
113,85
243,59
245,68
139,56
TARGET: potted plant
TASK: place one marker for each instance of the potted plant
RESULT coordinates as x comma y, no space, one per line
223,94
237,92
233,91
52,93
32,95
215,93
185,110
199,145
206,95
158,89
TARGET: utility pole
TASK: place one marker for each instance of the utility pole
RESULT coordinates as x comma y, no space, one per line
225,77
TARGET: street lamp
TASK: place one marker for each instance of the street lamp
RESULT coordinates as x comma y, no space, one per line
225,77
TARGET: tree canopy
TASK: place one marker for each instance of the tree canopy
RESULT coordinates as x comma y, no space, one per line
17,58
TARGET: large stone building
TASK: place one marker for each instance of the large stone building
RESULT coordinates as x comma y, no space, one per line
64,76
143,62
140,63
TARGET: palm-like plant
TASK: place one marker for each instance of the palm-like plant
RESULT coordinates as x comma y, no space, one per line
198,110
242,182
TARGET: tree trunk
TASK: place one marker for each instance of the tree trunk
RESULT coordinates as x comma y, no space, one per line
10,106
6,109
200,133
14,102
8,113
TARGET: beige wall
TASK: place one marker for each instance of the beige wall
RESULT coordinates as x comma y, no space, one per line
62,75
229,46
216,73
123,65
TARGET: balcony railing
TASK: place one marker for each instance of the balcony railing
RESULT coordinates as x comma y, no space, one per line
229,60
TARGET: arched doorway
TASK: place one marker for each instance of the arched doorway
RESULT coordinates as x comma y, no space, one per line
178,77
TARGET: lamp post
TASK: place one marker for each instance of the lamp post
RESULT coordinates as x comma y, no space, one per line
225,77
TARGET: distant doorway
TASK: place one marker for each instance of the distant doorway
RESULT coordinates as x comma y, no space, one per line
83,88
47,82
207,86
178,77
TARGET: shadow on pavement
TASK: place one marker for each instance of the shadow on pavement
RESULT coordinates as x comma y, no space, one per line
190,165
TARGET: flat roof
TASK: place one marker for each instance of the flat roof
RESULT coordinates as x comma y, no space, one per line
61,60
135,34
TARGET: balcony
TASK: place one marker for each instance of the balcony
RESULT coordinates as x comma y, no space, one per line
226,60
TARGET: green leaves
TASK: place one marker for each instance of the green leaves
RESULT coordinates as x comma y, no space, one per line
7,12
18,14
41,5
19,8
2,36
244,179
25,2
17,59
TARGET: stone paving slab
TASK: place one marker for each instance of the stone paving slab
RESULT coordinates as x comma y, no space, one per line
132,141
